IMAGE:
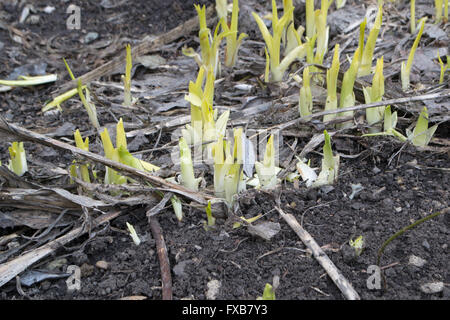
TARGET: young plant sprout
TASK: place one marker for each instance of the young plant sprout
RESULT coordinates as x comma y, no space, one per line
56,102
332,76
422,135
330,165
365,67
322,30
412,19
273,43
133,234
347,98
233,41
268,294
111,176
357,244
375,94
210,220
266,170
291,36
203,125
222,163
444,67
390,122
187,168
209,46
406,68
82,169
18,159
310,44
127,99
234,178
310,17
121,154
305,100
177,207
362,30
88,105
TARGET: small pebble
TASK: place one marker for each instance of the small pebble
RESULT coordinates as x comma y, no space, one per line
213,289
90,37
432,287
417,261
102,265
426,245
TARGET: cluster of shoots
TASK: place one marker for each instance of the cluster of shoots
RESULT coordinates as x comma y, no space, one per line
121,154
231,30
205,124
419,137
365,67
275,66
80,170
18,159
209,45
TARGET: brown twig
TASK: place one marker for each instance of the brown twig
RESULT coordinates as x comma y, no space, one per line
308,118
11,269
164,263
334,273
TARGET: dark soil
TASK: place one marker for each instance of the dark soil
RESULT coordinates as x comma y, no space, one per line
400,185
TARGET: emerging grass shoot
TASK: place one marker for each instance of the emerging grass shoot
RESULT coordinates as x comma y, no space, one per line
209,46
406,68
121,154
322,31
305,101
268,294
267,170
127,99
365,67
233,41
291,36
422,135
347,98
80,170
332,76
372,94
273,43
444,67
18,159
310,19
187,168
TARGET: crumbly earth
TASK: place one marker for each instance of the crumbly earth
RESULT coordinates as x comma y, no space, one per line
400,185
